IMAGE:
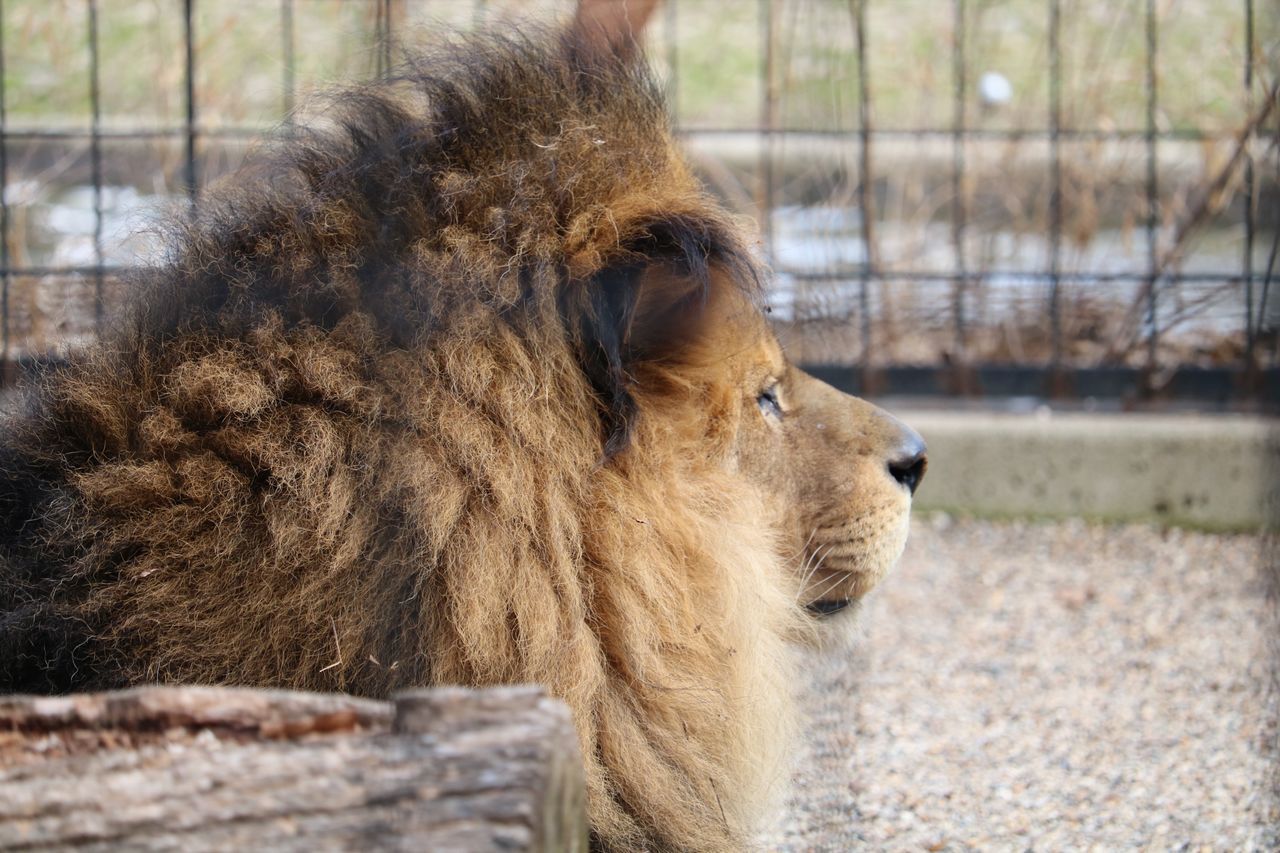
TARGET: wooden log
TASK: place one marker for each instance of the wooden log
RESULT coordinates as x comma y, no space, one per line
196,768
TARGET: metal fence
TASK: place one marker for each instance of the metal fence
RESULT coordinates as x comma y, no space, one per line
945,210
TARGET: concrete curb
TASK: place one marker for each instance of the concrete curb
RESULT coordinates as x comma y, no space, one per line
1216,472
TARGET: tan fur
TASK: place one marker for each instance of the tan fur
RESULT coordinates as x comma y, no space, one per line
362,434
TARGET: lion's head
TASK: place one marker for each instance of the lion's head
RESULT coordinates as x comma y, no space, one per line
471,385
837,471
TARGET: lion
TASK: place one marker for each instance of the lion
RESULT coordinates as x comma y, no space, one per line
469,383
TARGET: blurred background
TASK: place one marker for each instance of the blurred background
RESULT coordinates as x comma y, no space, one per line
1045,230
1057,199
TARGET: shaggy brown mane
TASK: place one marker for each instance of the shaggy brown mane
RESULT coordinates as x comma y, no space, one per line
414,401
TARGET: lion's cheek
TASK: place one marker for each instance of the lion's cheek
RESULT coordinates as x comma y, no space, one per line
884,556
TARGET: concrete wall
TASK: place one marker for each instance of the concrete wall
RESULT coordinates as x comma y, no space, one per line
1210,471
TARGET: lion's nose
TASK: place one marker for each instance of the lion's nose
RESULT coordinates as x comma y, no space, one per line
908,461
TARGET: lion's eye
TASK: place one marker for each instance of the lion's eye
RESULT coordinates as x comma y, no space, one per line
768,402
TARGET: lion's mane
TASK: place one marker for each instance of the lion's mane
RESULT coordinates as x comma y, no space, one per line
375,424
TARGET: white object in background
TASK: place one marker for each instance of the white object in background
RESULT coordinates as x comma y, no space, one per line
994,89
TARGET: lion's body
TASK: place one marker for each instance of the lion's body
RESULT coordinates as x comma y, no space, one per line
351,439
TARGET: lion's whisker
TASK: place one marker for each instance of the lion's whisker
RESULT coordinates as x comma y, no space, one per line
830,585
809,568
816,563
808,541
805,555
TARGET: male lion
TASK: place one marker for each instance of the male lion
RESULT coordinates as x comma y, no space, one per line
470,386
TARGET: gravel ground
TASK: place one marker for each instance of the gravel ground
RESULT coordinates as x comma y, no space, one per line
1048,686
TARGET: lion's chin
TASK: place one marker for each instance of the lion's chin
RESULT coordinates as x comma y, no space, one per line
838,615
838,634
840,589
833,589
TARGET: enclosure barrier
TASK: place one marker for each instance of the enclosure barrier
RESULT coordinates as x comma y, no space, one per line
850,300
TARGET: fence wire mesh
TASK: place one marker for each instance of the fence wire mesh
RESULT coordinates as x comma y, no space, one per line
1071,197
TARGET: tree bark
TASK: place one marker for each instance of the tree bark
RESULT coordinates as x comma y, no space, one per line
201,768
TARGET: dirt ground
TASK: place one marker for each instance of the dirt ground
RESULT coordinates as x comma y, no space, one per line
1028,686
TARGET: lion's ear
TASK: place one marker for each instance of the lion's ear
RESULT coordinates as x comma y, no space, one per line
650,301
612,27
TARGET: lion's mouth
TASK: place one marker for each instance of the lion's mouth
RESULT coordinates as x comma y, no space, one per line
828,606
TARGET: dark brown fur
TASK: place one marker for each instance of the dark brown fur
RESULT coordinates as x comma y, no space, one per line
470,385
361,431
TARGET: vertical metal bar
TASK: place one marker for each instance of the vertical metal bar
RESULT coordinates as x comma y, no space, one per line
1267,278
289,48
959,215
769,122
389,33
1055,181
5,278
188,8
1153,190
382,34
1246,266
379,37
673,57
866,197
95,163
